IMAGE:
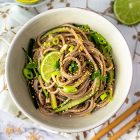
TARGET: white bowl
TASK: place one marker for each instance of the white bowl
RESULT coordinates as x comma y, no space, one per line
51,19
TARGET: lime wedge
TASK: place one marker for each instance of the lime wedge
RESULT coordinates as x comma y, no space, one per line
48,65
28,1
127,11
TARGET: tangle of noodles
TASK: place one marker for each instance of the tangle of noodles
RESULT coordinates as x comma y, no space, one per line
92,77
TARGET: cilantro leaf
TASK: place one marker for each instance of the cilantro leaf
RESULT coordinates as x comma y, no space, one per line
97,74
73,67
57,65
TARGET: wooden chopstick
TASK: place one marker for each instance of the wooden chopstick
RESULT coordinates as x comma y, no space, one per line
126,127
117,121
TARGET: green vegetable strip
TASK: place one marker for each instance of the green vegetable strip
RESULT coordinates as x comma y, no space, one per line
31,65
45,92
64,103
53,101
69,89
80,100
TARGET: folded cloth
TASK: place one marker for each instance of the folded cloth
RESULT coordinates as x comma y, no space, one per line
16,129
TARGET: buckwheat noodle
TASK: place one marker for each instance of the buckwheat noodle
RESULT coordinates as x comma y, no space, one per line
88,58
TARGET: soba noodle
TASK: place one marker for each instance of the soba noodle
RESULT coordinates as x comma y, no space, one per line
84,78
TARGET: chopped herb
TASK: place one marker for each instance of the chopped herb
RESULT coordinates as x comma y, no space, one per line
57,65
88,63
97,74
73,67
102,78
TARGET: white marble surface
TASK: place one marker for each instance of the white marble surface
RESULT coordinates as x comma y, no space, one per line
11,19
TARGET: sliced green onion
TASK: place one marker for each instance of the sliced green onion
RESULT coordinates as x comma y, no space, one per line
55,41
47,44
44,44
71,48
28,73
103,96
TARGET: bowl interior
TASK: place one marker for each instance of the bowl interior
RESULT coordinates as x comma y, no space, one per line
48,20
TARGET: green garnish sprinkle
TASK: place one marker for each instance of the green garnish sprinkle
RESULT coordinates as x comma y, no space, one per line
71,48
73,67
57,65
103,96
97,74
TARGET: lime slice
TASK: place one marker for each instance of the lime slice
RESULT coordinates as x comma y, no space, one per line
28,1
48,65
127,11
